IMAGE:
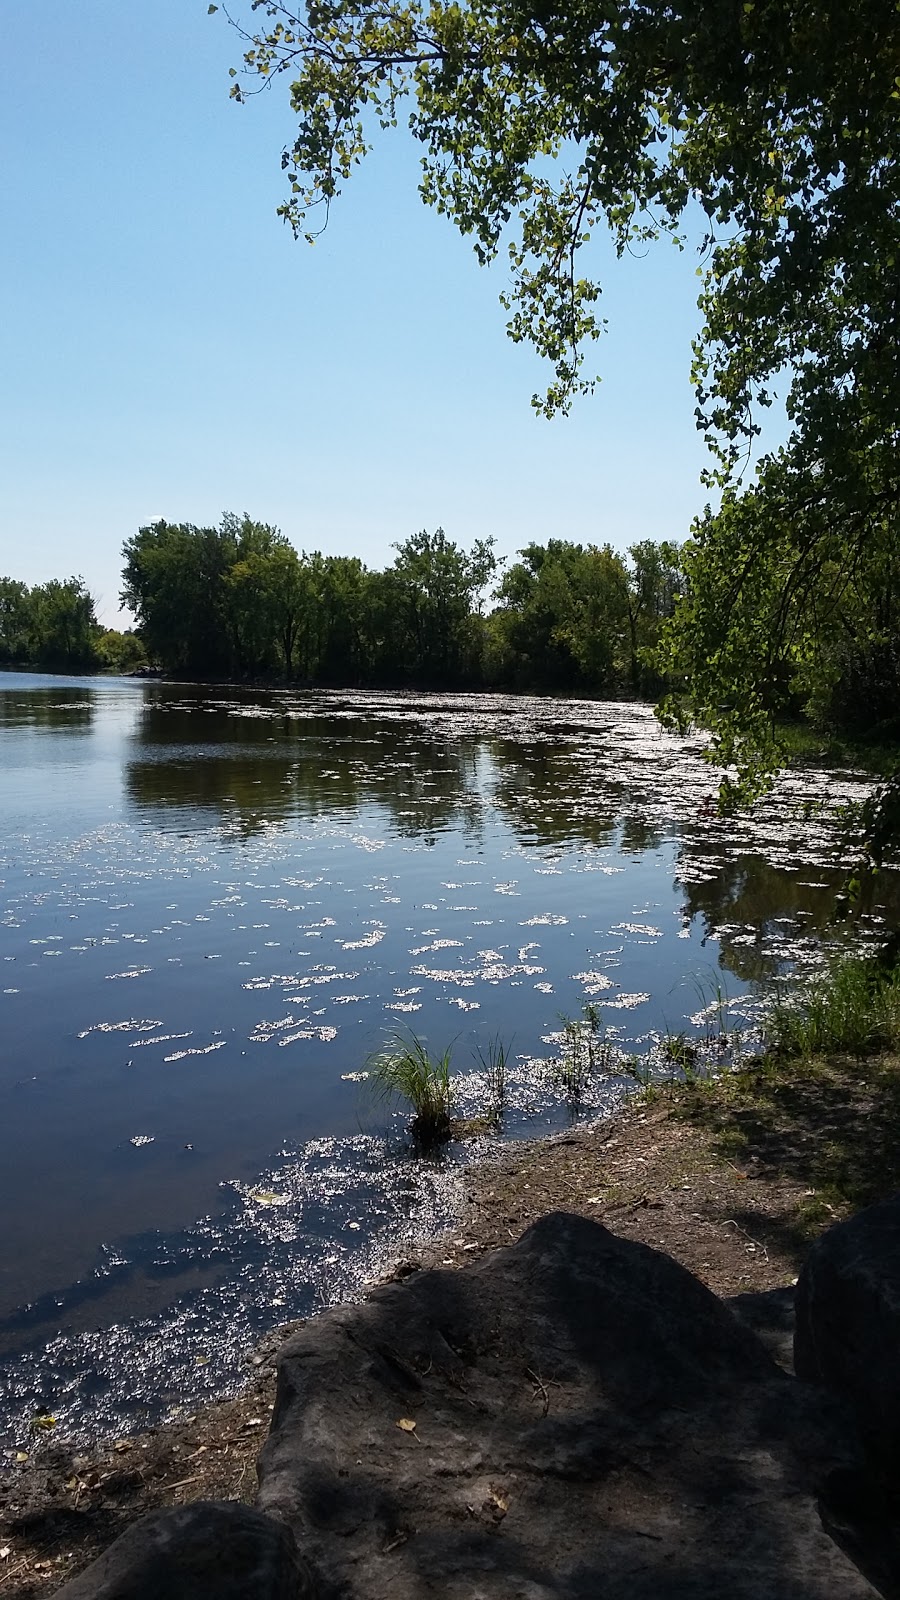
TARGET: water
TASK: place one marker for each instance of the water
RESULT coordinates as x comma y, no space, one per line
214,904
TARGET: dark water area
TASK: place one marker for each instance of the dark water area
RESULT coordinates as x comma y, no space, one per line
214,905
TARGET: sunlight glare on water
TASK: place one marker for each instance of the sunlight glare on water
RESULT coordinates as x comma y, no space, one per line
216,905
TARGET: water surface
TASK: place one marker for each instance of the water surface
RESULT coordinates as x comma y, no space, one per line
215,904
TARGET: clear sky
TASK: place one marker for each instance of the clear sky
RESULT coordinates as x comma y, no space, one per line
167,349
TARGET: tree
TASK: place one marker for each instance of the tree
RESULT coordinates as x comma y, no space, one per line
562,618
121,652
291,598
64,628
15,620
260,595
774,122
439,587
173,583
248,605
654,585
347,598
176,581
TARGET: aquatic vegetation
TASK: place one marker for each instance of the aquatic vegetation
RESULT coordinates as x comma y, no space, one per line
638,1068
681,1051
679,1056
197,1050
368,940
495,1065
713,1013
852,1007
406,1068
585,1050
132,1025
223,840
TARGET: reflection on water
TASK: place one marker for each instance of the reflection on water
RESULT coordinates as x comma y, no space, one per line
45,709
234,767
213,906
755,910
428,764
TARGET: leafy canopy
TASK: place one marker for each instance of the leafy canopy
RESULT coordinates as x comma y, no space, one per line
53,625
773,121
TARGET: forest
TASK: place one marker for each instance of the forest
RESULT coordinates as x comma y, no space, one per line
761,136
53,627
238,601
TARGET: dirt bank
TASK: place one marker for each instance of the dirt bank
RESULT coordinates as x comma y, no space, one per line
731,1178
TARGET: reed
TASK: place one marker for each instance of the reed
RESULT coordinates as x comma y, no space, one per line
494,1064
407,1070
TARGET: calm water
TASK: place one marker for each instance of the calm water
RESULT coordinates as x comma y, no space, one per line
214,905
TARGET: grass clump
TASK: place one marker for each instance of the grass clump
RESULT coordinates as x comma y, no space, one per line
584,1051
407,1069
853,1008
494,1064
678,1050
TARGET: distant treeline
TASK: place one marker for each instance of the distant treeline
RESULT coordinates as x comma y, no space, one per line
54,626
239,601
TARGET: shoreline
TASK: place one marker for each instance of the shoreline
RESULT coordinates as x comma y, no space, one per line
297,686
732,1177
801,741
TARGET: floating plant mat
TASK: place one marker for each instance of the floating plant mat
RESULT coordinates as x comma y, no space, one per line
215,906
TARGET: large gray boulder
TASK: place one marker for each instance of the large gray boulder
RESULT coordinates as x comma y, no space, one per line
848,1322
212,1550
574,1417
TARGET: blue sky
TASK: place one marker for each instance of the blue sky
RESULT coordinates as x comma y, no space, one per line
167,349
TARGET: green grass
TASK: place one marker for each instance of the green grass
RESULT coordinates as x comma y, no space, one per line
494,1066
585,1050
821,1107
406,1069
878,751
852,1008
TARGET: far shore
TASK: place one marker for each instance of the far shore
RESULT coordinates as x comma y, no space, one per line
801,742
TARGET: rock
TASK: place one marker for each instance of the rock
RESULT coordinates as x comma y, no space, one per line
848,1322
770,1313
572,1417
212,1550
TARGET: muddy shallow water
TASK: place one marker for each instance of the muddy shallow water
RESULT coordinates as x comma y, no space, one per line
215,905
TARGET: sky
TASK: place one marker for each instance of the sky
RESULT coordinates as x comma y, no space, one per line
168,349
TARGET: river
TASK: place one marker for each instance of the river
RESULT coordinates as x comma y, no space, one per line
214,907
